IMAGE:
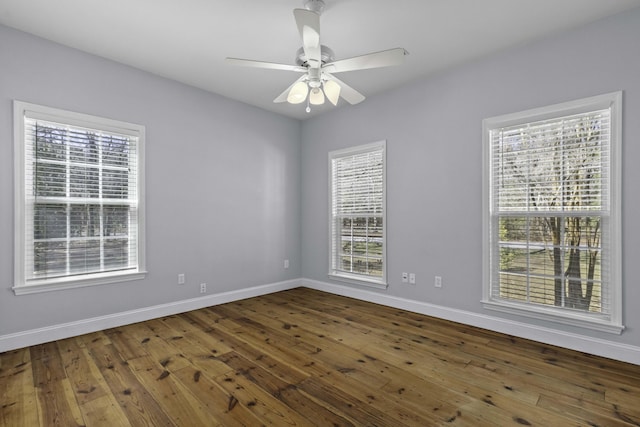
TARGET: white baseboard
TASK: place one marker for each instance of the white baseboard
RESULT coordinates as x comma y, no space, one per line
599,347
94,324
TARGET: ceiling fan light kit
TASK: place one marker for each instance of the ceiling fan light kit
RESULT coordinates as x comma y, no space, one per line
332,91
298,93
316,96
318,64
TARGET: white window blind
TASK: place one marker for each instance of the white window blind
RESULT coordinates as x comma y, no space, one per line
357,183
552,220
81,198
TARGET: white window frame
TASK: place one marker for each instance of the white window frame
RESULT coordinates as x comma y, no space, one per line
611,323
334,272
22,284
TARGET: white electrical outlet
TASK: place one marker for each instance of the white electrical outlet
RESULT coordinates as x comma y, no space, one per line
203,288
438,282
405,277
181,279
412,278
286,264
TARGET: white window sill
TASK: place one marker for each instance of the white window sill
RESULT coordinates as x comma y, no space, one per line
62,283
560,316
355,279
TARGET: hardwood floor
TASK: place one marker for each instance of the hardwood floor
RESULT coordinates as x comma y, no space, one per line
303,357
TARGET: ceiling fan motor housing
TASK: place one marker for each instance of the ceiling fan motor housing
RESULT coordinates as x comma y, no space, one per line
314,78
326,55
316,6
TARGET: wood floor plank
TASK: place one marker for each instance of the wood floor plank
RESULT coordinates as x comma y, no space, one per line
206,334
46,364
345,404
135,401
427,408
319,323
128,348
266,407
79,367
104,412
540,382
294,368
543,367
578,410
55,402
338,356
215,398
461,380
195,333
290,363
156,347
625,401
192,352
295,354
89,387
177,401
285,392
428,399
18,398
304,357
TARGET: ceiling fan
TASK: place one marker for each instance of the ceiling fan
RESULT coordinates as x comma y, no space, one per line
318,64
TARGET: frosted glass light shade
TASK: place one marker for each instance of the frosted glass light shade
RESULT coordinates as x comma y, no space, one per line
316,97
332,91
298,93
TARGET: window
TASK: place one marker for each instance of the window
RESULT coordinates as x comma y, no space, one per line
552,217
79,207
357,215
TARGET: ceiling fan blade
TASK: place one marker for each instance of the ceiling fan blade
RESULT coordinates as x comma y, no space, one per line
283,96
384,58
309,27
349,94
262,64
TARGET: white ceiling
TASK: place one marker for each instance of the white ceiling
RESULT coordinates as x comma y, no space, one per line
187,40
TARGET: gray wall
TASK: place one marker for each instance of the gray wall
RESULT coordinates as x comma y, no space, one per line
222,177
434,159
233,190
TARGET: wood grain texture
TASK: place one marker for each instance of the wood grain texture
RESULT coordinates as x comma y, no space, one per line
304,358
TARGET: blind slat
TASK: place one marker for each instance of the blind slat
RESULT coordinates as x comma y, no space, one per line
549,186
357,206
82,191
